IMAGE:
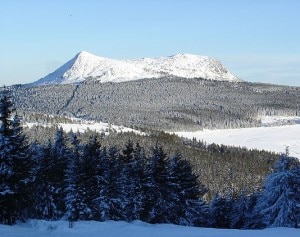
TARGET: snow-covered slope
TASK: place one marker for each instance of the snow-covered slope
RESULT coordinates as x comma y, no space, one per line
85,66
82,126
274,139
41,228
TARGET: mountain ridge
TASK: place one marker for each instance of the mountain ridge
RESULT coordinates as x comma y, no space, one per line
85,66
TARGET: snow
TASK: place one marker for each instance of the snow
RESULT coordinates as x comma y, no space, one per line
86,65
279,120
40,228
81,126
274,139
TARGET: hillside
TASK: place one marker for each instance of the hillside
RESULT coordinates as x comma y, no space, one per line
170,104
86,66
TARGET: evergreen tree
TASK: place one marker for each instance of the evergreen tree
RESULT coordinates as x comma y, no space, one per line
88,177
102,200
111,195
131,178
279,204
46,194
220,210
242,215
15,165
155,187
185,192
76,207
59,155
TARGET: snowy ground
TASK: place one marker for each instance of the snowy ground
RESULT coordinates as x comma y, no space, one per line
81,126
263,138
38,228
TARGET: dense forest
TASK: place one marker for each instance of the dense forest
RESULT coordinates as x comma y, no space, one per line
169,104
85,179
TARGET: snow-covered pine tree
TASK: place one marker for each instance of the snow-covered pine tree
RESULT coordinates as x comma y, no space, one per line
242,211
131,176
102,200
155,187
23,177
45,204
220,211
279,204
137,195
185,192
15,165
59,154
88,178
114,200
76,208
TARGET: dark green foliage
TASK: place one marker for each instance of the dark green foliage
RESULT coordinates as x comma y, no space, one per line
15,165
278,205
220,210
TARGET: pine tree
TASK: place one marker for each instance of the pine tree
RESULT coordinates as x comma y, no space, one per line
155,187
59,155
242,215
102,200
46,194
185,206
88,177
76,208
114,194
131,177
279,203
15,165
220,211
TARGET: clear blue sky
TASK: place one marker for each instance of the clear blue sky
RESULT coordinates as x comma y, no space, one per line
258,40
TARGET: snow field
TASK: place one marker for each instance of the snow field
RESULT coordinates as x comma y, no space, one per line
274,139
41,228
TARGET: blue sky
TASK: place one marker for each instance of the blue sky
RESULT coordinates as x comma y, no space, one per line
257,40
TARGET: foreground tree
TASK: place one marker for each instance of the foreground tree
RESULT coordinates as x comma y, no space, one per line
15,165
185,206
279,204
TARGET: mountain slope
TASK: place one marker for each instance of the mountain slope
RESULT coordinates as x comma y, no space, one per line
86,66
164,103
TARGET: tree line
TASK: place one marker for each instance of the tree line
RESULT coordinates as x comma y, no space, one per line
75,181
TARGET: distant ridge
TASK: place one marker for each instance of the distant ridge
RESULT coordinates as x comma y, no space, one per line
85,66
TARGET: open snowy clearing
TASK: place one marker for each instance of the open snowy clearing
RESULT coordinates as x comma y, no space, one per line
274,139
84,125
39,228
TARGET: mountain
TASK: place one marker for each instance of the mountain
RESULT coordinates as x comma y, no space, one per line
88,66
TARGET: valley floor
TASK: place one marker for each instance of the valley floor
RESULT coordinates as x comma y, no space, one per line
274,139
40,228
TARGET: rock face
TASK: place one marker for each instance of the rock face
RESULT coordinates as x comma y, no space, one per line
86,66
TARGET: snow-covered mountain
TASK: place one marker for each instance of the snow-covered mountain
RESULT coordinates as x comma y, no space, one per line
86,66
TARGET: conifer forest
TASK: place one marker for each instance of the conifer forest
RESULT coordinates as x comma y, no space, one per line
158,178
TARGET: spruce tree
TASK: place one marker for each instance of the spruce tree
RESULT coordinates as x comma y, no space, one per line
76,208
279,204
185,205
155,187
46,194
102,200
15,163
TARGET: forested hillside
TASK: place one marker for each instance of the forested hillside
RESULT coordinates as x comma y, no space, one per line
163,104
222,169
